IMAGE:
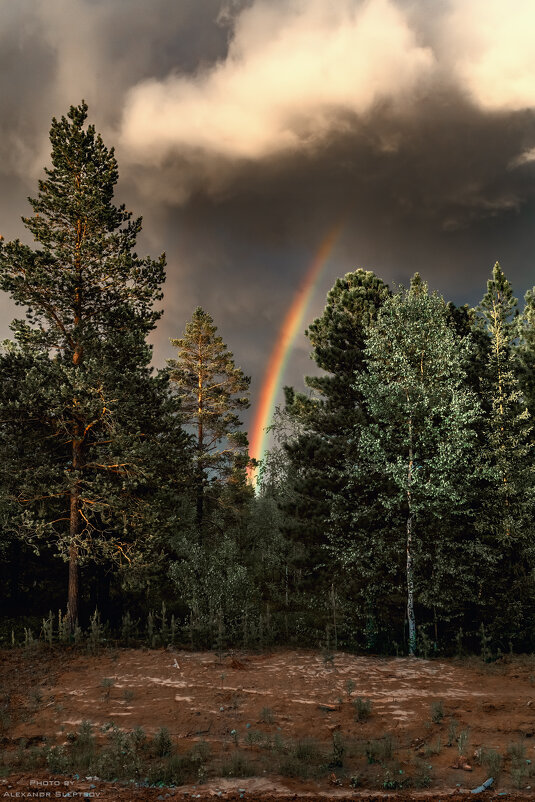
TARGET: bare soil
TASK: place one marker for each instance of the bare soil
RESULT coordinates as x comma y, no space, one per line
247,703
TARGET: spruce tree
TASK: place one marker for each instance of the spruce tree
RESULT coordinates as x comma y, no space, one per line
89,301
212,390
412,462
507,497
508,427
526,351
326,417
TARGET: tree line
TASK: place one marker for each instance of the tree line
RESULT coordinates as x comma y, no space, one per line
393,513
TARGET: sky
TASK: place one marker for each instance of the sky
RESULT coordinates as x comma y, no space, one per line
246,131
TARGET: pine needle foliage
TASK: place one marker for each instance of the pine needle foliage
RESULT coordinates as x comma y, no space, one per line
212,391
80,363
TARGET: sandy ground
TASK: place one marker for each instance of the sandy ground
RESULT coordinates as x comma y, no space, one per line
199,696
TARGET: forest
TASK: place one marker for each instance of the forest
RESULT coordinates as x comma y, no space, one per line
393,513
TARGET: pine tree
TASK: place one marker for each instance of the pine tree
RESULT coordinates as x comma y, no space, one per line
526,351
212,390
507,496
507,446
89,303
328,416
414,458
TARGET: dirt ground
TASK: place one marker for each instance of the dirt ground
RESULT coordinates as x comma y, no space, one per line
241,702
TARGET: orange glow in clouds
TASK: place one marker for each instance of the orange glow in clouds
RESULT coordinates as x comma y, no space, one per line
281,351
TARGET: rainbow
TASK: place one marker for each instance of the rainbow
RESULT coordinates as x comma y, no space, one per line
283,346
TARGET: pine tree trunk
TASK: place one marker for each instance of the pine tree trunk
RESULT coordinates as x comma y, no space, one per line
200,443
72,604
74,532
74,529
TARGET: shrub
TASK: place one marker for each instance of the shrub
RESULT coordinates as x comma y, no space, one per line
238,766
379,750
437,712
162,744
452,732
462,741
492,761
363,708
266,715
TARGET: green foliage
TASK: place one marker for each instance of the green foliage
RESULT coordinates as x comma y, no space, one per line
80,455
238,765
517,751
106,684
452,731
266,715
437,712
379,750
462,741
162,744
338,750
211,390
322,426
363,708
492,761
416,461
216,586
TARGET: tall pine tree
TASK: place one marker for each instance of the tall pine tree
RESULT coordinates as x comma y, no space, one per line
507,497
89,301
326,418
212,391
507,436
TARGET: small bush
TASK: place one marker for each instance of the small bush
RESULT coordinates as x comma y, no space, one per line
119,760
517,751
422,777
437,712
518,775
363,708
238,766
462,741
254,737
379,750
266,715
175,770
278,743
162,744
57,760
337,758
82,750
306,750
492,761
106,684
394,779
201,751
452,732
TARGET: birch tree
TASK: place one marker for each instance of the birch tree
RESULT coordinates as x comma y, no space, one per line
416,455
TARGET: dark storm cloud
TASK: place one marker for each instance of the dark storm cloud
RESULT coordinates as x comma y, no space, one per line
246,130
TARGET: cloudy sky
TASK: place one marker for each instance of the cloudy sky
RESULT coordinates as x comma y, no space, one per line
246,129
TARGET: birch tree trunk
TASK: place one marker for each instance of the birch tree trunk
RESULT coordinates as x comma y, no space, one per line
410,572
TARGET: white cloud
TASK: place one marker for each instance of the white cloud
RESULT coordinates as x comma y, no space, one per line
291,70
491,50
